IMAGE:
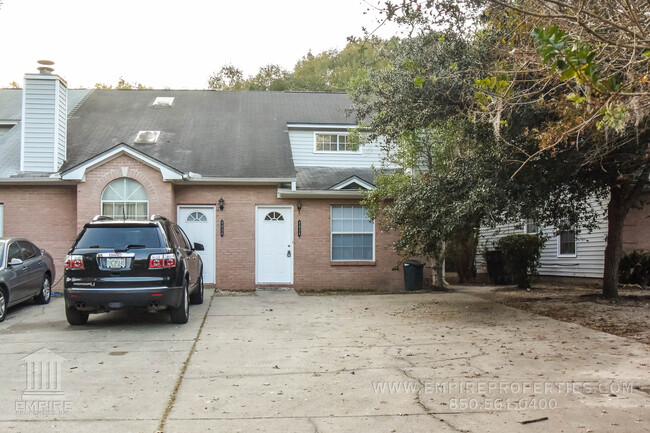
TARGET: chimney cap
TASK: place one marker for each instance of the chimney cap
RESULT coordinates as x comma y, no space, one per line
46,67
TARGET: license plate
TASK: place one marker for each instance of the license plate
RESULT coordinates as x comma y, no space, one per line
115,263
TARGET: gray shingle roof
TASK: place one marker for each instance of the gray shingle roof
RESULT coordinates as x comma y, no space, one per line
11,102
220,134
319,178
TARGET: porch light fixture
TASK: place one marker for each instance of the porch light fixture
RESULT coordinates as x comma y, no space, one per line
299,206
221,203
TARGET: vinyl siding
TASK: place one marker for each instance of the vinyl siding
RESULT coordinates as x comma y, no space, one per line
44,124
588,262
302,149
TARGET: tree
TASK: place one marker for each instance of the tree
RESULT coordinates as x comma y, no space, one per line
451,177
122,84
229,77
585,66
14,85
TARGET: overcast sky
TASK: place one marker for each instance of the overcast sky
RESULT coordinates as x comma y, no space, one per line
165,43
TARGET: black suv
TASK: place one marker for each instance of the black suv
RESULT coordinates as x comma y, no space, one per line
116,264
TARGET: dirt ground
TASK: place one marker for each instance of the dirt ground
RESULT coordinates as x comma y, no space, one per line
627,317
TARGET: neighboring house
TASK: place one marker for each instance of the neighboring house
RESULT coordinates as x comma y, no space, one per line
570,254
265,180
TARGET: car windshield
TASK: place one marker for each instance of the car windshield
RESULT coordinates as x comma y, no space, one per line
120,238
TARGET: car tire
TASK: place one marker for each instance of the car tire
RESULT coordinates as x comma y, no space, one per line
75,317
45,294
181,314
3,304
196,298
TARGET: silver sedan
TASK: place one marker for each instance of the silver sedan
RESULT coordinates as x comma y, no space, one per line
26,272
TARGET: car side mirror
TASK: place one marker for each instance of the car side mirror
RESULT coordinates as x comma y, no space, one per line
198,247
15,262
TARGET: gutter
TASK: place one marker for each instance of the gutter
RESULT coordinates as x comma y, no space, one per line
318,193
234,180
37,181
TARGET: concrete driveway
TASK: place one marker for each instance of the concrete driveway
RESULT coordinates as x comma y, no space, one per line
278,362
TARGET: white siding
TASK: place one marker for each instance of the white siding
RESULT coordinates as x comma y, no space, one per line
44,123
588,262
302,149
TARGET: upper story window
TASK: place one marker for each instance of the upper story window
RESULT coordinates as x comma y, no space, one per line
329,142
125,198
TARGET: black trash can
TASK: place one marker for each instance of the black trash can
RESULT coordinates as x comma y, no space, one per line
413,275
496,267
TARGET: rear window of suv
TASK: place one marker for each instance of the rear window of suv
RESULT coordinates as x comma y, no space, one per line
120,238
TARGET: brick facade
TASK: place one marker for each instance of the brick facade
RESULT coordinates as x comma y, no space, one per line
57,213
44,214
89,193
313,270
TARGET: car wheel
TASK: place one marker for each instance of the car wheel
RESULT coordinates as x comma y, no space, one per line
46,292
181,314
75,317
197,297
3,305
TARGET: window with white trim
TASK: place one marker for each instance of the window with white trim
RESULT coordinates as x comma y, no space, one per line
353,234
566,244
125,197
331,143
531,227
2,219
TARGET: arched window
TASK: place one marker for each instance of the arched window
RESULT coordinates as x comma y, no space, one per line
196,217
274,216
125,197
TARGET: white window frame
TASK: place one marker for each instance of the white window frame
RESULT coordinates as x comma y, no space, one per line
332,233
335,152
526,232
575,242
102,201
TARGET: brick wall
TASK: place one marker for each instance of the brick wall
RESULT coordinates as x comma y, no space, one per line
89,193
636,232
235,260
43,214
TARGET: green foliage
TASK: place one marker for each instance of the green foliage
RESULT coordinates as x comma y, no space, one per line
122,84
634,268
329,71
521,254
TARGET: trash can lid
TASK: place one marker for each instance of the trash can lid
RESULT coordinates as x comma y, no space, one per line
413,263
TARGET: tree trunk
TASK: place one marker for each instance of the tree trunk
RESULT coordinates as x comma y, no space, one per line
616,213
437,265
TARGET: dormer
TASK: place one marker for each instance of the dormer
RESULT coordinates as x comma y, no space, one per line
44,121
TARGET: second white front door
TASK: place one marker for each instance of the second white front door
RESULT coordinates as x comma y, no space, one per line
274,245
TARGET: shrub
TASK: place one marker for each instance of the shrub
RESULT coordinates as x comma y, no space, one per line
521,254
634,268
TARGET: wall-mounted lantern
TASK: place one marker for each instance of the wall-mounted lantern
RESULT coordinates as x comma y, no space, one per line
221,203
299,206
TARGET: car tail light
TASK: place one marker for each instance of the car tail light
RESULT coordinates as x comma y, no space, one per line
161,261
74,262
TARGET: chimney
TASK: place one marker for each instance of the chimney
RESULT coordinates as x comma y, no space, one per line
44,120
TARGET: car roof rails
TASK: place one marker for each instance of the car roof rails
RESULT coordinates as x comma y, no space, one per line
102,218
156,217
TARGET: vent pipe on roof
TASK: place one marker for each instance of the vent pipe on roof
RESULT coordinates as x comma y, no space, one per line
44,122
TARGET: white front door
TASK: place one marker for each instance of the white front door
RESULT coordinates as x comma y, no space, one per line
274,244
198,223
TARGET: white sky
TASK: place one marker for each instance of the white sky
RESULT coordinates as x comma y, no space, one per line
169,43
